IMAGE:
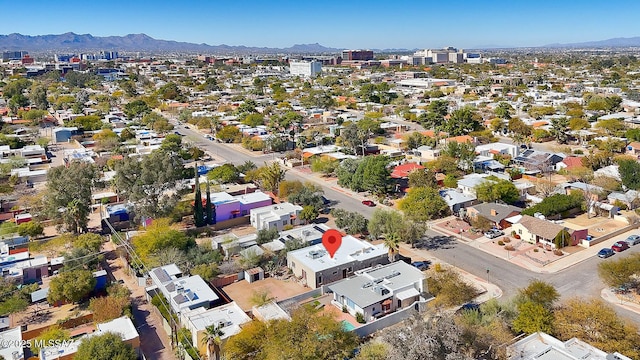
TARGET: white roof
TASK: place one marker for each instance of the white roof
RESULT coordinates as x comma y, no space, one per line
230,316
270,311
406,294
350,250
253,197
12,339
273,246
121,326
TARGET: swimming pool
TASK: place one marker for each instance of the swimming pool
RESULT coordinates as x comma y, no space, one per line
347,326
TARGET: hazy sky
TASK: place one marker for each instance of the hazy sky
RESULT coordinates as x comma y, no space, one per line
340,24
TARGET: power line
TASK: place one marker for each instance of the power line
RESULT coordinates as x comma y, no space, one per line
131,252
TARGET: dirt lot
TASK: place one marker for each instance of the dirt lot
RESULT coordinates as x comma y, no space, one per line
242,291
597,226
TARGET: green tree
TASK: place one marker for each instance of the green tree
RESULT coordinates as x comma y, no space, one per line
38,97
33,229
159,236
539,292
559,129
309,213
229,134
71,286
422,178
324,165
464,153
307,195
147,183
14,299
226,173
392,243
136,108
68,197
503,110
198,210
423,204
629,170
210,208
462,122
450,289
503,190
619,272
611,126
295,339
593,321
267,235
373,351
533,317
352,222
108,346
384,222
212,339
87,123
270,176
53,333
253,120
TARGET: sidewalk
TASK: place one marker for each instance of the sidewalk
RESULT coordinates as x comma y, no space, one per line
519,258
490,290
607,295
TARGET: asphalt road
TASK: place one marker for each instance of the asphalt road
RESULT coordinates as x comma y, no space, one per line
229,154
579,280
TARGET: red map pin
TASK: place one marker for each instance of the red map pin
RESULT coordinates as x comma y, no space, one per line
332,239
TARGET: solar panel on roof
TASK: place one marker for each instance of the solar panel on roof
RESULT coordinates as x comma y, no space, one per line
162,275
319,228
179,299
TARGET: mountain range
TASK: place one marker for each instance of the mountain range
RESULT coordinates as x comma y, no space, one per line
608,43
142,42
138,42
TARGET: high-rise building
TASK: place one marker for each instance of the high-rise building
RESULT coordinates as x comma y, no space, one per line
357,55
13,55
305,68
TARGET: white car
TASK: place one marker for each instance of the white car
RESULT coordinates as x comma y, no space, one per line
493,233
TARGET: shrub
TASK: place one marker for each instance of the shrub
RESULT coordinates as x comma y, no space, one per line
535,250
438,267
558,252
500,242
344,308
287,227
506,240
578,152
360,318
509,247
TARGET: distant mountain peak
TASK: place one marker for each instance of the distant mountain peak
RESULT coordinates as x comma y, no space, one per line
608,43
71,41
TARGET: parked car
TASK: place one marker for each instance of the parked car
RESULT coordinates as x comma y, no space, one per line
369,203
605,253
493,233
633,240
620,246
421,265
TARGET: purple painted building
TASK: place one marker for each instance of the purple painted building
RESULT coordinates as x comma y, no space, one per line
229,207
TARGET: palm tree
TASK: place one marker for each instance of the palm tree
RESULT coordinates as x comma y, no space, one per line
212,334
392,242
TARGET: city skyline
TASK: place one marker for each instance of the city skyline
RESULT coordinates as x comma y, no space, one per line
379,25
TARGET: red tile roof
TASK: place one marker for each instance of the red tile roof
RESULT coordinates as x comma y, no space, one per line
402,171
572,161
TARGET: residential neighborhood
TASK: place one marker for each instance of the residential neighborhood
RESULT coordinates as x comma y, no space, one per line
175,205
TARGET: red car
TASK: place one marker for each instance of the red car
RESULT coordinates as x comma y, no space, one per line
620,246
369,203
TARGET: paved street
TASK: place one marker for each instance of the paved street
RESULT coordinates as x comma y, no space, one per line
578,280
